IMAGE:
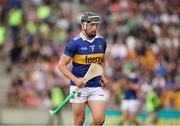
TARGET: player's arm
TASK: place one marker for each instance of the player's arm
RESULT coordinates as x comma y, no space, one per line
104,77
103,64
63,67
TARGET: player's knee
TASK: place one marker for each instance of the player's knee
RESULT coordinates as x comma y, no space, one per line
79,120
99,120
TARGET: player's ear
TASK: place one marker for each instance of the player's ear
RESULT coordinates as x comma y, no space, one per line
83,26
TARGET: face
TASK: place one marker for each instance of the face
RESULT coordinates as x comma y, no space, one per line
91,29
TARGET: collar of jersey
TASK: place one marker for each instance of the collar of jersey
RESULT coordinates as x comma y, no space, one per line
84,38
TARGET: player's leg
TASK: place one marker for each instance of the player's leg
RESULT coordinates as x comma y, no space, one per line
98,112
125,112
125,118
78,113
133,118
78,105
96,103
134,107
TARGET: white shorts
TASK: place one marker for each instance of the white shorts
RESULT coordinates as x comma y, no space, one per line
87,94
131,105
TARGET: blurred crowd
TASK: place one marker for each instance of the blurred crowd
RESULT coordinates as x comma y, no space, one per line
143,37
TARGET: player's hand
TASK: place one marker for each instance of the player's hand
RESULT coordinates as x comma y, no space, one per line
79,82
104,81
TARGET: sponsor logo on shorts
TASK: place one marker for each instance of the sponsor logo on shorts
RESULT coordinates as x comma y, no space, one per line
101,95
79,94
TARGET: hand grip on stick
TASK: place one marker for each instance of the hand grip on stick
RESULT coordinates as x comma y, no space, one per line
93,71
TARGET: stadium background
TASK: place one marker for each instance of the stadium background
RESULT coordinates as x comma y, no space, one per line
142,36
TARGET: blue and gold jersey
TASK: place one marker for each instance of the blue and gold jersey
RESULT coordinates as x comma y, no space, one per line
83,53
